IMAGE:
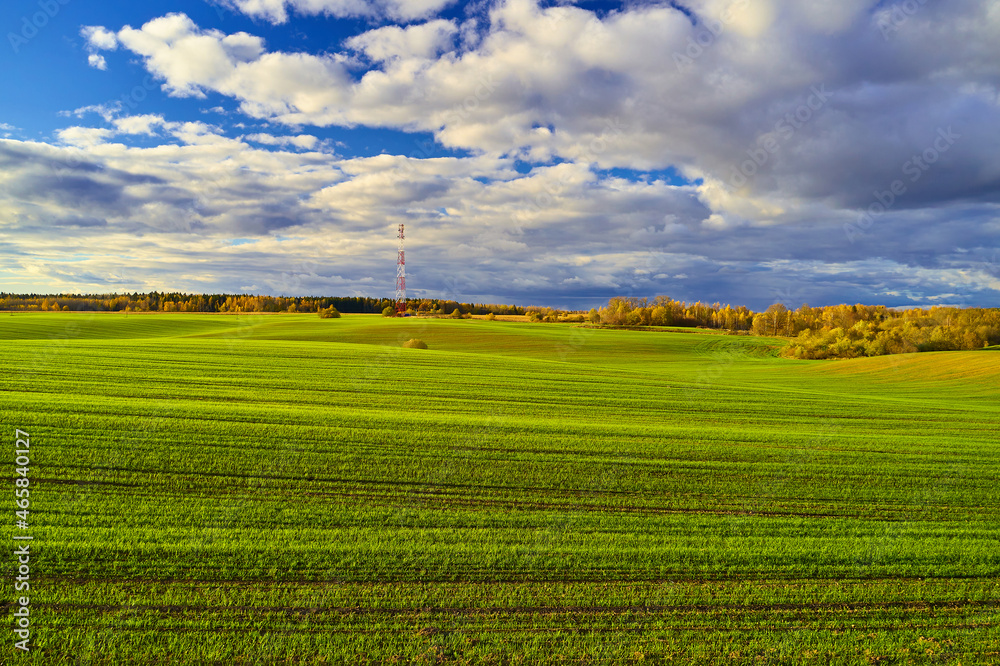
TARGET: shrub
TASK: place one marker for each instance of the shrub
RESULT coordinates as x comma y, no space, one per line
490,317
329,313
388,311
413,343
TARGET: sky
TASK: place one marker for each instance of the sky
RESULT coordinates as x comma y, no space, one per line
742,151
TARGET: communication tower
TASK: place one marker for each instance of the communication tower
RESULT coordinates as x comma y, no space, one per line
400,276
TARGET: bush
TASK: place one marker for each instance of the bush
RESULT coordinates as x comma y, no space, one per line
329,313
388,311
456,314
413,343
490,317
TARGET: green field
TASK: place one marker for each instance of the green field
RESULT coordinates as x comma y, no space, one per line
285,489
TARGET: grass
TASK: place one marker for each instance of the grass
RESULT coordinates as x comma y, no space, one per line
285,489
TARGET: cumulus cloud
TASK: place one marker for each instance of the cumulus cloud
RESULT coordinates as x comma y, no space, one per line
277,11
142,124
83,137
106,111
303,141
825,146
342,211
190,59
423,41
479,229
644,88
99,38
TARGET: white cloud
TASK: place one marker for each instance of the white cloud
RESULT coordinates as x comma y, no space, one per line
200,134
557,235
97,61
191,61
303,141
84,137
410,10
285,85
99,38
562,82
276,11
106,111
187,58
789,115
143,124
422,41
190,133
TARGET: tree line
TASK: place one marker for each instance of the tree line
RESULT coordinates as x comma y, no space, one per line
850,331
835,331
664,311
436,306
156,301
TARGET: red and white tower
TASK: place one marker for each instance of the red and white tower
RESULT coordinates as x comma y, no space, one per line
400,276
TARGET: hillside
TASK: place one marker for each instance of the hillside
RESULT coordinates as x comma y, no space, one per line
275,487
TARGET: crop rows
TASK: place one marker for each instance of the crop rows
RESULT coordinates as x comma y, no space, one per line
283,489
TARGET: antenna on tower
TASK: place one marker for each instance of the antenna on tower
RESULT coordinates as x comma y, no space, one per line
400,276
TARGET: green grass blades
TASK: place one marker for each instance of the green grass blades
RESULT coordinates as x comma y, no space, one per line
246,489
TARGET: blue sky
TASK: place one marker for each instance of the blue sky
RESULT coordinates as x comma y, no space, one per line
555,153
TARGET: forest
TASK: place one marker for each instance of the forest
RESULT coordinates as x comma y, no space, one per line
234,303
836,331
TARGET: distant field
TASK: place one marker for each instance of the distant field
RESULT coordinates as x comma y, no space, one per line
285,489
